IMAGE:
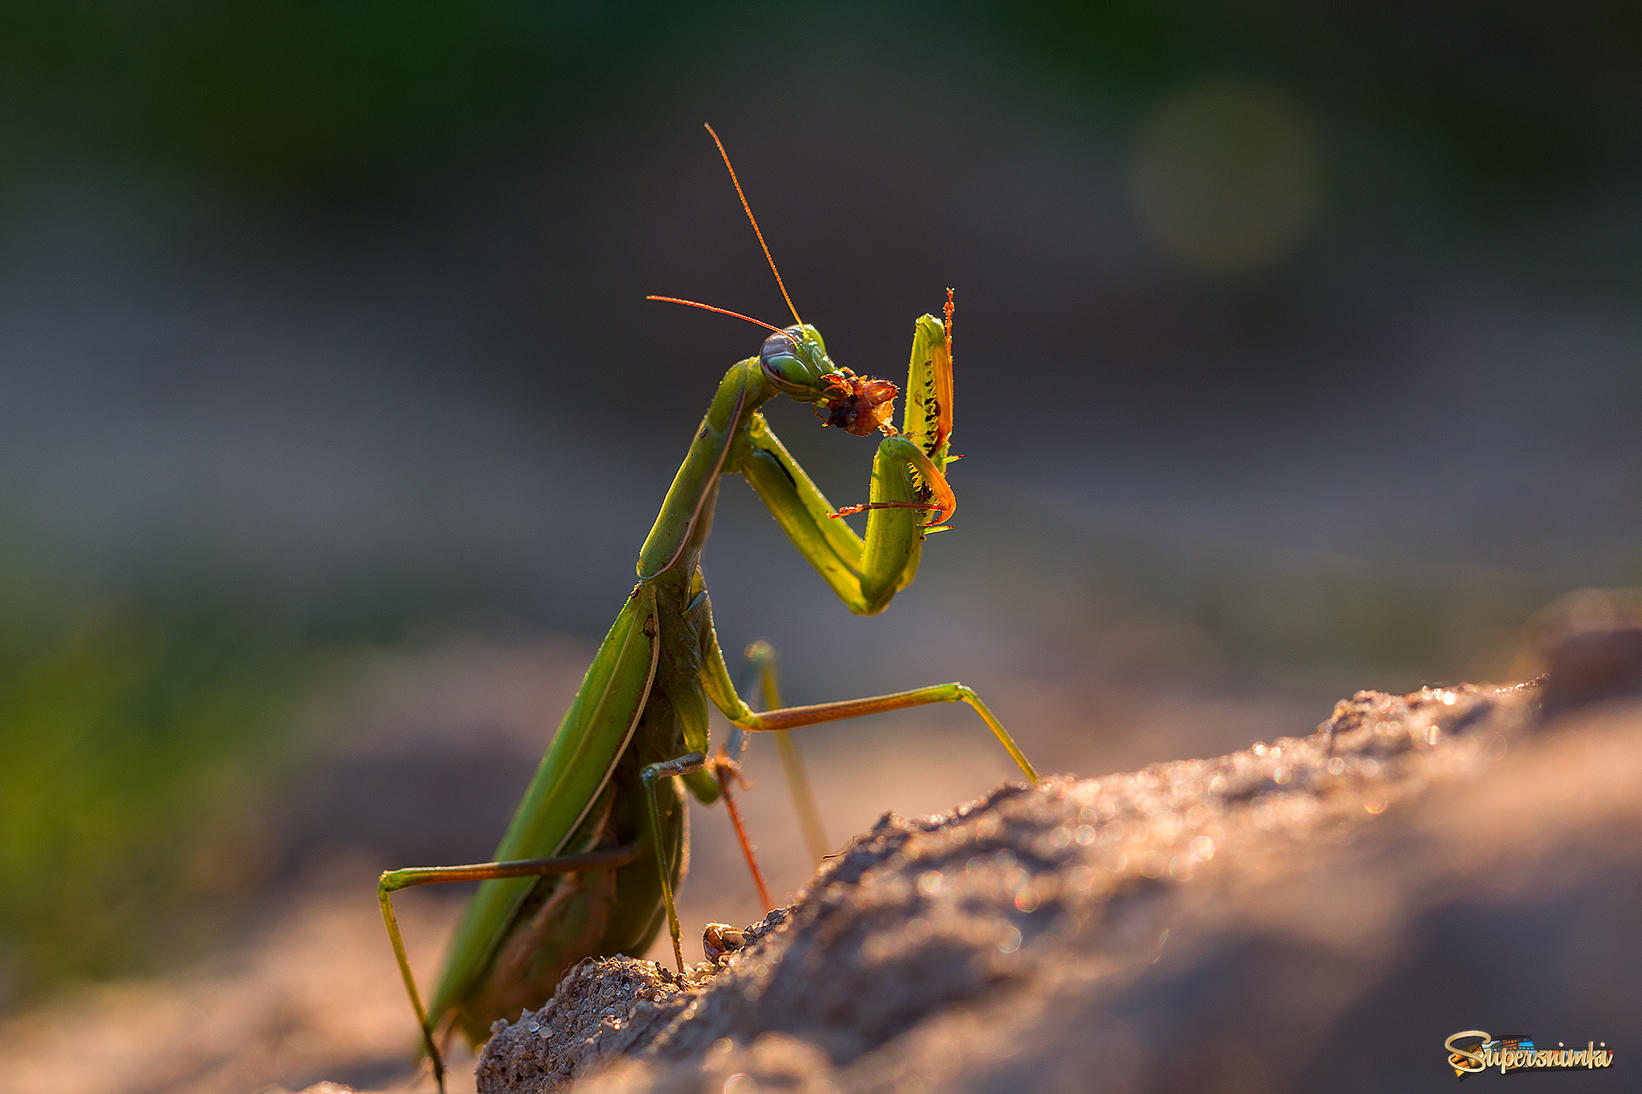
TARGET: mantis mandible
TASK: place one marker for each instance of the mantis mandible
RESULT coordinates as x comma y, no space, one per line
591,858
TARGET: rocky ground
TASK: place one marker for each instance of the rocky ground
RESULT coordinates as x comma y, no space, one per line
1321,911
1318,912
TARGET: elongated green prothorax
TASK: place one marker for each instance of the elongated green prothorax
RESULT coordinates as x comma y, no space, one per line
590,861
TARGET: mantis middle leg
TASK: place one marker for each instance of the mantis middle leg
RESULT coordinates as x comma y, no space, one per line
715,679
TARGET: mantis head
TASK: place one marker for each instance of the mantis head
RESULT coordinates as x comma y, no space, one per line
796,362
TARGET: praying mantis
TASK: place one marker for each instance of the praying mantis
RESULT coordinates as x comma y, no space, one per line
592,856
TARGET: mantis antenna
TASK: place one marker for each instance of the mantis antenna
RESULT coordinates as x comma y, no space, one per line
754,222
782,285
721,311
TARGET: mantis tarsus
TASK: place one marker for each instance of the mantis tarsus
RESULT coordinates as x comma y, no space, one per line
591,858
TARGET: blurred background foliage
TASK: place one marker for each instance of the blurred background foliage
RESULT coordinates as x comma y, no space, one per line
1298,351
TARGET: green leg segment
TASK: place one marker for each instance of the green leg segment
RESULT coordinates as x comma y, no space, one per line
650,773
864,573
793,717
766,686
394,880
715,678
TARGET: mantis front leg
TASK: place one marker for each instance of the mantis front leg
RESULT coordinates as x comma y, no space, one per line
908,486
864,573
909,498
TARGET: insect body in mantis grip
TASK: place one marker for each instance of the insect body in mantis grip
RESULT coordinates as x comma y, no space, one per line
589,863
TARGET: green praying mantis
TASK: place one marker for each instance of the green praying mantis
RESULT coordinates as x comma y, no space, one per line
595,850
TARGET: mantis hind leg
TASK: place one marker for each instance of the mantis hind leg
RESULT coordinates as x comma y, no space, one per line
765,686
394,880
765,690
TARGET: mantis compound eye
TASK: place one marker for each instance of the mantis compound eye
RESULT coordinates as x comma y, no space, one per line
795,361
779,344
781,364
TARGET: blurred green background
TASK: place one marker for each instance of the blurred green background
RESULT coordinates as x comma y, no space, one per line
1297,352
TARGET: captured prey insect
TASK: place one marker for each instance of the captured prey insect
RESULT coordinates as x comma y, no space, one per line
591,858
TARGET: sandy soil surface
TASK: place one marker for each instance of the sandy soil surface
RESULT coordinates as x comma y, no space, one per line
1314,913
1320,911
1317,912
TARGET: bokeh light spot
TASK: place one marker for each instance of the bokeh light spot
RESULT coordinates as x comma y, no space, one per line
1227,176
